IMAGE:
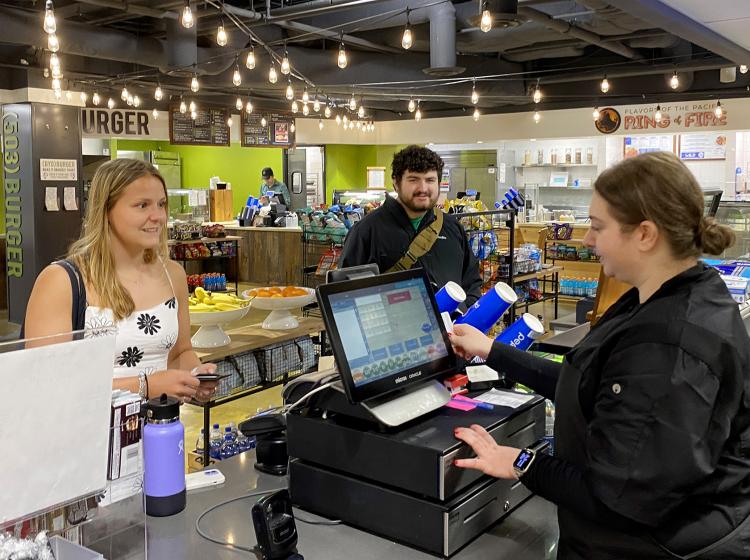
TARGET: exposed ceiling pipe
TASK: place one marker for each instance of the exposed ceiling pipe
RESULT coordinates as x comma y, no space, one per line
350,39
677,23
132,8
317,7
442,41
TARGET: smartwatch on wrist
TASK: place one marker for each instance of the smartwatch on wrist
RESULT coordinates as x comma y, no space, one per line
523,461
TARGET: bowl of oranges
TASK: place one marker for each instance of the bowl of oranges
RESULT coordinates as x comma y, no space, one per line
280,300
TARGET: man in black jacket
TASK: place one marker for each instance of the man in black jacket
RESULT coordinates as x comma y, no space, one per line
384,235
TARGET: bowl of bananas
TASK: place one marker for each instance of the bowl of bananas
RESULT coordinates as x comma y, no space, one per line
210,310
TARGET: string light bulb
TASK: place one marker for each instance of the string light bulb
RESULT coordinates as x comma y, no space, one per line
155,113
345,120
57,72
195,84
58,94
183,107
110,103
537,97
657,114
248,107
158,93
230,122
604,86
54,61
474,94
743,68
327,112
273,76
342,60
361,112
476,114
193,115
305,96
359,125
596,114
56,84
236,76
295,106
352,104
719,110
674,81
316,105
263,121
84,97
124,93
537,117
305,109
418,113
320,124
238,104
250,60
285,66
406,38
192,107
413,105
50,25
95,99
186,19
136,101
221,36
485,22
338,119
53,43
289,90
292,128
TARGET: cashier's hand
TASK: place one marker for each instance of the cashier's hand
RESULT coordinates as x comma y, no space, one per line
492,459
174,382
206,389
468,342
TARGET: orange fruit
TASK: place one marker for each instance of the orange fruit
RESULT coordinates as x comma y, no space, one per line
264,293
275,290
298,292
276,296
252,293
288,291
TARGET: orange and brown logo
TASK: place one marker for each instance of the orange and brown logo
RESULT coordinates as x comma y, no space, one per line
609,120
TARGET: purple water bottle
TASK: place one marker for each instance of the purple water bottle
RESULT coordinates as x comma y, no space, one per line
164,457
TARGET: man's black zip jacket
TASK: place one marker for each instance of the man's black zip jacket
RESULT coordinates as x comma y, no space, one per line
384,235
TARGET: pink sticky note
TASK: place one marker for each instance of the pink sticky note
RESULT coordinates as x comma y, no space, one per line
460,405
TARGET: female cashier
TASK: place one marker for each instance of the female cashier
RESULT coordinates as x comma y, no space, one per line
652,427
130,284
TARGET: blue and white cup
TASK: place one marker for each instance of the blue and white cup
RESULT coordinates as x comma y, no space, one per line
489,308
449,297
522,332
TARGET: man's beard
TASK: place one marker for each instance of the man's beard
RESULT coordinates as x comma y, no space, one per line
418,207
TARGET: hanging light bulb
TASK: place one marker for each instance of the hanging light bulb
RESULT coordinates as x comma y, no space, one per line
249,107
316,105
327,112
474,95
361,112
285,67
413,105
342,60
111,103
183,106
719,110
50,25
289,91
193,115
537,97
292,128
187,20
604,86
345,120
352,104
351,125
250,60
136,101
56,84
743,68
485,22
320,124
596,114
54,61
338,119
129,100
57,72
358,124
84,97
418,113
273,76
238,104
305,96
674,81
155,113
192,106
406,39
295,106
124,93
158,93
657,114
537,117
195,84
95,99
305,109
53,43
68,95
476,114
230,122
263,121
236,76
58,94
221,35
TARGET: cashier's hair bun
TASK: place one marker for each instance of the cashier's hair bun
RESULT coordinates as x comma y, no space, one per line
713,237
659,188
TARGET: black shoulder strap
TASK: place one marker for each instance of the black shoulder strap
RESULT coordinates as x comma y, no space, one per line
78,313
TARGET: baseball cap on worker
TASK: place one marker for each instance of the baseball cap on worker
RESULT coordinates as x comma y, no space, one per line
267,172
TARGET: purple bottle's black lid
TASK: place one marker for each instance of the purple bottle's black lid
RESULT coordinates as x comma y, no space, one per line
163,408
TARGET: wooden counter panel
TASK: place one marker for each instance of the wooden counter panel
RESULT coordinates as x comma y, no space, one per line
270,256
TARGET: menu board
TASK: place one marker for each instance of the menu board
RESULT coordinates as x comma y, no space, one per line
703,145
277,132
635,145
209,128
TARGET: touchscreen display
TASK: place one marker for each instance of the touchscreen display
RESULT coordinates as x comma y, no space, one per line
387,329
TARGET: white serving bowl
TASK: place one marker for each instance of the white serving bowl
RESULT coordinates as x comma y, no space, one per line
281,317
211,335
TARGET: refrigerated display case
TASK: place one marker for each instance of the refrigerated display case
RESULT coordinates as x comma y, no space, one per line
737,216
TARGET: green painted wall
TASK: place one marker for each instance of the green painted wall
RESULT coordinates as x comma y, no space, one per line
346,165
234,164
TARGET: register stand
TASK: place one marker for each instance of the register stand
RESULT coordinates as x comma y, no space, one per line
376,449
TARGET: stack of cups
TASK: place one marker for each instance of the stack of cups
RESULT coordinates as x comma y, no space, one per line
489,308
522,332
450,297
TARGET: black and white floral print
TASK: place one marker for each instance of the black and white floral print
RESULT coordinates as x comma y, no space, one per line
169,341
99,325
148,323
171,303
130,357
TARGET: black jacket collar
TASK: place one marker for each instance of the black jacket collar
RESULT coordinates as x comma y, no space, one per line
394,207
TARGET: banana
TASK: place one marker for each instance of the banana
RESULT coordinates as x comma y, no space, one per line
227,306
202,307
223,298
200,293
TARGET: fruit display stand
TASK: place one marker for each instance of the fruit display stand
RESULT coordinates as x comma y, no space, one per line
258,358
281,307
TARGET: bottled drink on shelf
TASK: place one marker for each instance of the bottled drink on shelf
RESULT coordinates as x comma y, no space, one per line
228,448
215,442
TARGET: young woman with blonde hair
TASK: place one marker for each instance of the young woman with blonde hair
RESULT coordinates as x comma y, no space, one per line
130,284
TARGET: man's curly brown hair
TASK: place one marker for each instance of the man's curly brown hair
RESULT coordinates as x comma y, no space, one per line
417,159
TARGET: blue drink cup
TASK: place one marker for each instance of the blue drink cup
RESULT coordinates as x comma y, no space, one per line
522,332
489,308
449,297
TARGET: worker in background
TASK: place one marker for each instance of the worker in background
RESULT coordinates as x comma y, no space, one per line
270,183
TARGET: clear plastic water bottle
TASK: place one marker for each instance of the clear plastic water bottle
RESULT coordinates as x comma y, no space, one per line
228,448
215,443
233,428
241,442
199,443
228,432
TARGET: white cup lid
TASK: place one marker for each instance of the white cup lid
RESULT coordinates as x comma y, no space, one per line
534,324
455,292
505,292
